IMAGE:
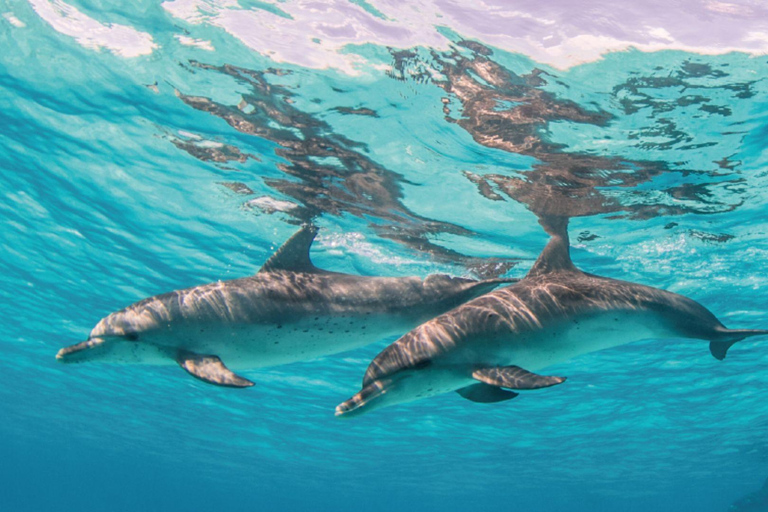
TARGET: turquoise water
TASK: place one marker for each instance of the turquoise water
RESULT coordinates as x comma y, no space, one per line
131,167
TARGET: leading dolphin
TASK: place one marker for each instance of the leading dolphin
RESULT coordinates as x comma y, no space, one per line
493,343
289,311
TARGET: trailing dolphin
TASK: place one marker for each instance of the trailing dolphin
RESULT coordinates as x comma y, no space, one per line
289,311
494,343
753,502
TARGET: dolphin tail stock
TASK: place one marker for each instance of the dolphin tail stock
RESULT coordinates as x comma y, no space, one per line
728,337
360,402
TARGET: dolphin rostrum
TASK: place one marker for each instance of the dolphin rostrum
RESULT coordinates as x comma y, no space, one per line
289,311
494,343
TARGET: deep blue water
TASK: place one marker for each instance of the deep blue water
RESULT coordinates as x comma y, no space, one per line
130,168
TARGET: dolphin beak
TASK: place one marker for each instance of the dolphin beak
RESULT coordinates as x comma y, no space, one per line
74,353
344,409
357,404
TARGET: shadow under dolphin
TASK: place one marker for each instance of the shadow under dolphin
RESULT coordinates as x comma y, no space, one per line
492,344
289,311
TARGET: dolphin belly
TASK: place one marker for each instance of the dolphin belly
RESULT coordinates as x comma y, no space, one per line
308,338
250,346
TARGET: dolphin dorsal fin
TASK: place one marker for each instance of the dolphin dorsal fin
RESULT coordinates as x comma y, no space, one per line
556,256
294,253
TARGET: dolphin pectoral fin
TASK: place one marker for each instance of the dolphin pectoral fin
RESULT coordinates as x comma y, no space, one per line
211,370
514,377
485,393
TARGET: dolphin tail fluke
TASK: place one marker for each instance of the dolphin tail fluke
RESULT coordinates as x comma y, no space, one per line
361,402
719,349
729,337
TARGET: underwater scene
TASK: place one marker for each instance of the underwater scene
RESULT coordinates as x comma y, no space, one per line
373,255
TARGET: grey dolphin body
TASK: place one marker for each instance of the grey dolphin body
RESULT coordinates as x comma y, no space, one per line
289,311
753,502
493,343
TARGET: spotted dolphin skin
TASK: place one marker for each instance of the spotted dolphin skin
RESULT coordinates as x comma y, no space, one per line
289,311
494,343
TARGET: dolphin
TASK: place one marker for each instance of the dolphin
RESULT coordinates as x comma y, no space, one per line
493,344
289,311
754,502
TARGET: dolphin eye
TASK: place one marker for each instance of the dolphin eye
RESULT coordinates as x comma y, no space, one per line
131,336
420,365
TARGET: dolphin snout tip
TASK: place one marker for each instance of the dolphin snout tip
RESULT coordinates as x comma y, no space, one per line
342,410
350,408
61,355
74,353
